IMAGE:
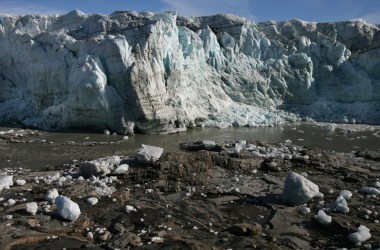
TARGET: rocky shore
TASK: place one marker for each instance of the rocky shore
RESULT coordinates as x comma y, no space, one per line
210,195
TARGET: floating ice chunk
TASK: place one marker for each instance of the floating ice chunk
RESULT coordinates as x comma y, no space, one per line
129,208
51,195
92,201
361,235
370,190
346,194
209,144
298,190
31,208
6,181
20,182
323,218
149,154
67,208
122,169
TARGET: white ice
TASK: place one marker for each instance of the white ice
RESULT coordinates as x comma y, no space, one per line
67,208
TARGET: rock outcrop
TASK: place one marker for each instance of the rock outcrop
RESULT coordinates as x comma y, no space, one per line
160,73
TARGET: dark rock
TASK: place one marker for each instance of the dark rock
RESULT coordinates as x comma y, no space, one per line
134,240
367,154
120,241
245,229
118,228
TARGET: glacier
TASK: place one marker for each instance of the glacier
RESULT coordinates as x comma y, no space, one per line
146,72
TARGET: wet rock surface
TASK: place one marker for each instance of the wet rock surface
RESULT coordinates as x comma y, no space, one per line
219,197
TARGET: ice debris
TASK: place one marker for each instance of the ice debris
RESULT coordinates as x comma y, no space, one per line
51,195
92,201
323,218
6,181
20,182
90,235
376,184
122,169
67,208
209,144
149,154
31,208
341,205
361,235
129,208
370,190
346,194
304,210
298,190
156,239
99,167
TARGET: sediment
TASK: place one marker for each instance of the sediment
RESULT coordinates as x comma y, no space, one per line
220,197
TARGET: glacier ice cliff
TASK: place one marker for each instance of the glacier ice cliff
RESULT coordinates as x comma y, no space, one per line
158,72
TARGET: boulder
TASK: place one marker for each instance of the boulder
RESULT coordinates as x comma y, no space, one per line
298,190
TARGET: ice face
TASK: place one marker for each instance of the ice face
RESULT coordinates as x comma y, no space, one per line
162,73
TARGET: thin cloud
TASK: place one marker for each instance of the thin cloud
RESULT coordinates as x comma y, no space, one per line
13,8
207,7
373,18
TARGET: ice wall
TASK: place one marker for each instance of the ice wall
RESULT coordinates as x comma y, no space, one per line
159,73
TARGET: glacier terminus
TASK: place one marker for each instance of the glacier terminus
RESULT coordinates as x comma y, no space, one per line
146,72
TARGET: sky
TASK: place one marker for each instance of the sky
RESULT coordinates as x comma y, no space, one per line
255,10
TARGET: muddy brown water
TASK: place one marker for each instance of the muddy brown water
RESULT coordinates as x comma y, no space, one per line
39,156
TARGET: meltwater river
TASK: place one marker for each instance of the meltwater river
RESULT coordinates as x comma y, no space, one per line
39,156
